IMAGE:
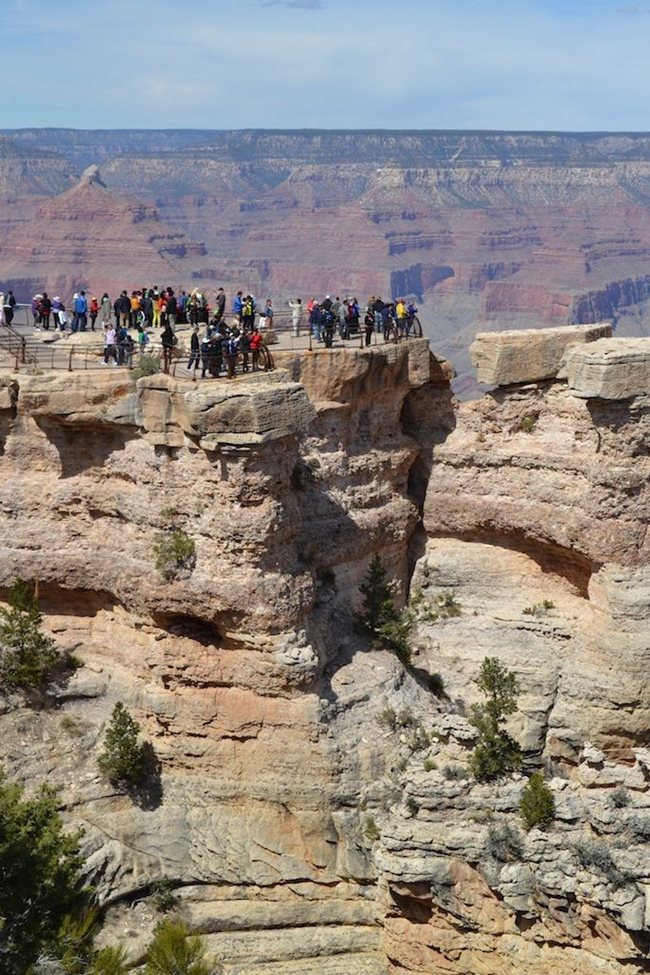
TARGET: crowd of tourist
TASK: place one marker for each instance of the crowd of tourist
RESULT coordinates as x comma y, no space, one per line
216,345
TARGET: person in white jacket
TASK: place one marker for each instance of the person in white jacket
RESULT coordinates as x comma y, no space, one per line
296,316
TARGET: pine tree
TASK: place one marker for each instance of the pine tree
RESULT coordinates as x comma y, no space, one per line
496,752
27,656
122,761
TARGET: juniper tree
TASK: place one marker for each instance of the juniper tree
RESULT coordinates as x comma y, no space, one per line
27,656
380,615
40,866
123,759
496,752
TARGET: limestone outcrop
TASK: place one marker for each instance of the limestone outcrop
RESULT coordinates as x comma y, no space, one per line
618,369
311,807
506,357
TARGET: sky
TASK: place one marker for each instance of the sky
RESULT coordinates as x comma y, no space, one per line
560,65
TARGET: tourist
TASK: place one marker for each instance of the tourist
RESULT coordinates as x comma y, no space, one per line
168,340
94,312
58,314
122,309
45,308
195,356
255,347
296,317
36,315
248,313
369,324
80,312
9,303
220,305
110,352
105,310
231,348
181,304
244,348
268,314
238,305
171,308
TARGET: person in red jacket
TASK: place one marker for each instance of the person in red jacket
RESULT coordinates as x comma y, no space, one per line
255,345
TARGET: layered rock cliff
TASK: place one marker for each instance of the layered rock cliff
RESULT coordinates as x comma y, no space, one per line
311,809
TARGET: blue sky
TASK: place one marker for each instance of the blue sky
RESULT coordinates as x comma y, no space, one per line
508,64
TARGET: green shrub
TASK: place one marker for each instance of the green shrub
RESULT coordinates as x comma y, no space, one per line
447,605
174,951
109,961
371,830
528,422
496,753
504,843
429,765
595,855
620,797
539,609
436,685
28,658
164,897
40,866
537,805
174,551
148,365
123,759
454,773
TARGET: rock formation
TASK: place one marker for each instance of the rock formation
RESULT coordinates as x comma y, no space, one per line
312,811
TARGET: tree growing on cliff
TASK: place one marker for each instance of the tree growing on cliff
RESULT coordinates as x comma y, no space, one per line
40,867
124,758
391,626
496,752
28,658
537,805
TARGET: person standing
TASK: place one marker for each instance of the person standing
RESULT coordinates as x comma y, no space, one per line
9,304
195,349
296,316
171,308
81,311
94,312
220,306
105,310
45,309
168,340
110,352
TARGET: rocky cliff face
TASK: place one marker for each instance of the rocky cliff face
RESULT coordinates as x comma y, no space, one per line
305,811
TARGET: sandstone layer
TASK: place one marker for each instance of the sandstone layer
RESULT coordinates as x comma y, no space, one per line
311,808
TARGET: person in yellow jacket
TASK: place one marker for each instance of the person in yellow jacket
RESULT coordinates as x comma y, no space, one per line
401,315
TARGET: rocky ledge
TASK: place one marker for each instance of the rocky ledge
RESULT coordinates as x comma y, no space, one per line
303,826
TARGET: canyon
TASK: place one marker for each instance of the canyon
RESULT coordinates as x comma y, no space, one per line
312,810
483,229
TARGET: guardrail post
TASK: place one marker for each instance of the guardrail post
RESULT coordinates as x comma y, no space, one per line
23,349
70,358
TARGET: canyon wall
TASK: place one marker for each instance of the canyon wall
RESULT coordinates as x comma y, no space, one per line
483,230
310,805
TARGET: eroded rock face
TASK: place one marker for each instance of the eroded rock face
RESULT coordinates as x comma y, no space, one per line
311,807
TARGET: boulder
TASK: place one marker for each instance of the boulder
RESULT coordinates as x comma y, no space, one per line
528,355
609,369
